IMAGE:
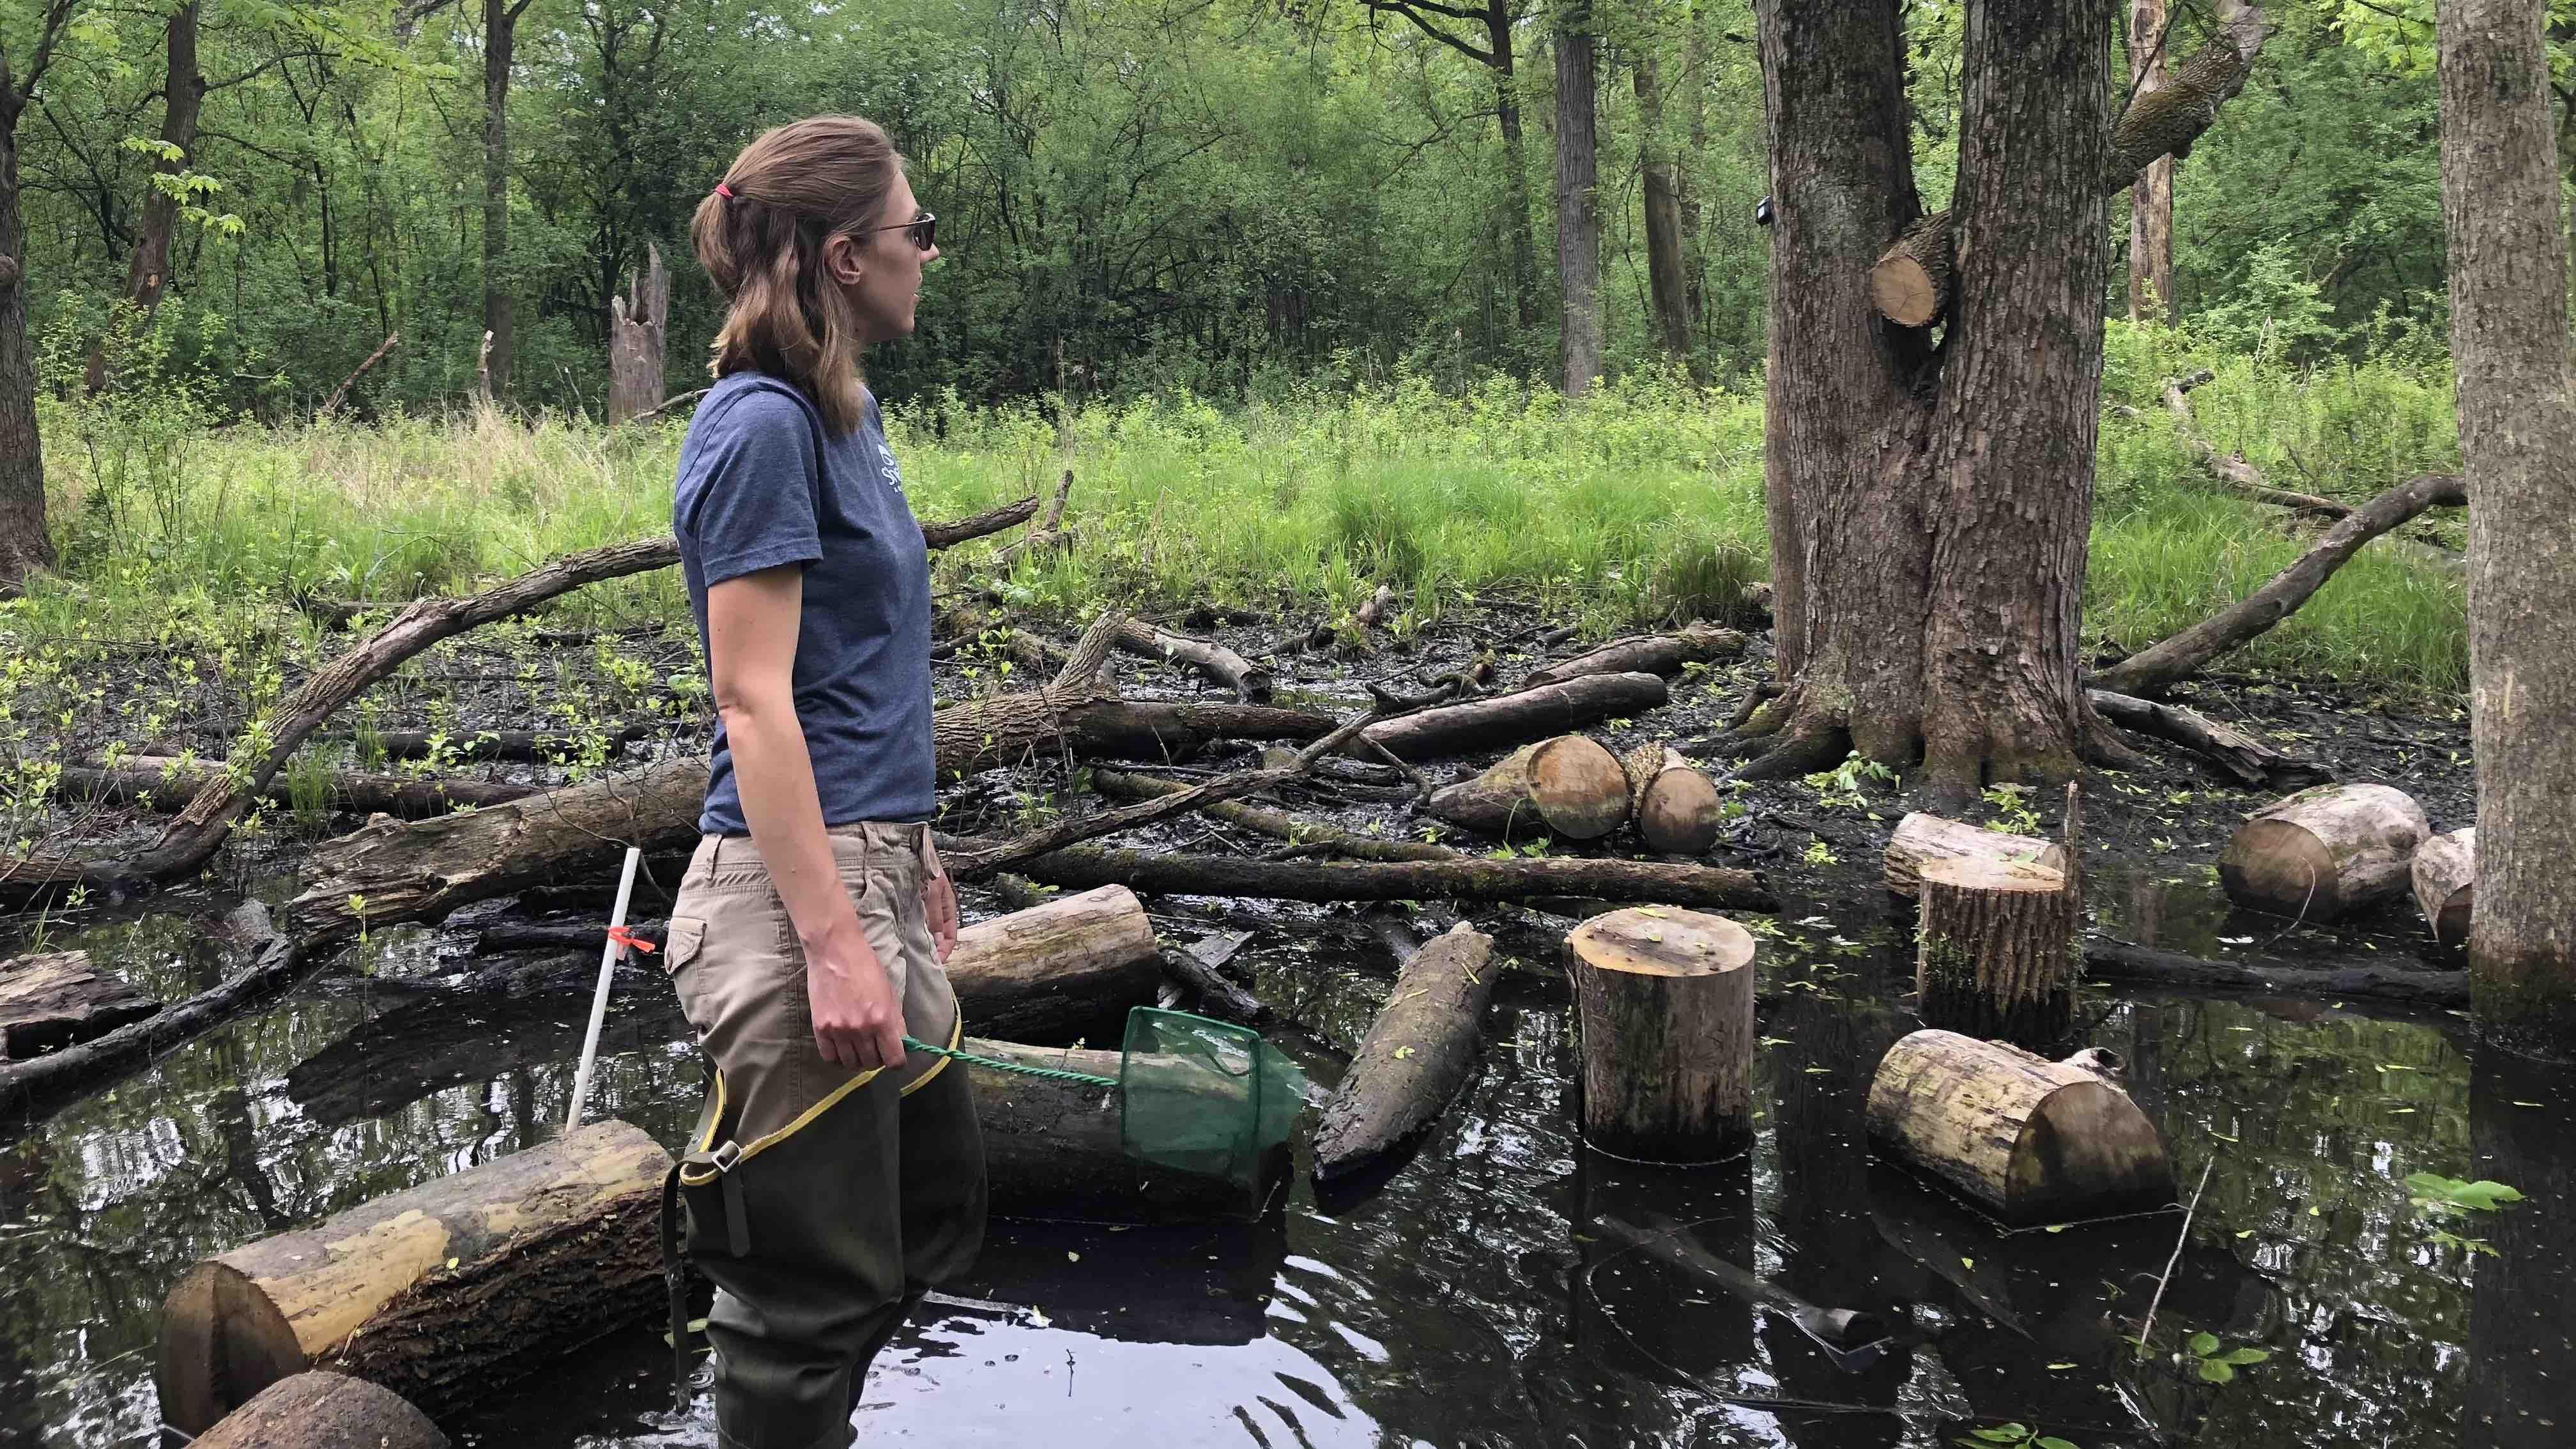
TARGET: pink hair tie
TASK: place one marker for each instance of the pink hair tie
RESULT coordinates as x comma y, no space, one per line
724,191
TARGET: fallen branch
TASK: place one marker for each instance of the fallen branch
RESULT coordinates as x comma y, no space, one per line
1044,537
2106,960
331,404
1249,681
1359,619
668,403
2152,669
1300,830
159,781
1645,653
1468,878
2231,468
1509,719
1417,1054
2242,756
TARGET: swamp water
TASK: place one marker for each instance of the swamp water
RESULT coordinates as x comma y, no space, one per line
1506,1287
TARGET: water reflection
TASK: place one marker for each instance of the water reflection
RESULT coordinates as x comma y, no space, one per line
1506,1287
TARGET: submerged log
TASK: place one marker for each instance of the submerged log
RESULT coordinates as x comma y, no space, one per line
1922,838
1510,719
1666,1002
55,998
2121,961
1566,786
1644,654
1054,1150
2324,853
438,1292
1997,953
1672,801
321,1410
2029,1140
1475,878
2446,879
1416,1056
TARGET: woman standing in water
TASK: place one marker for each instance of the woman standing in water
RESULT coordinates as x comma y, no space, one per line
831,1180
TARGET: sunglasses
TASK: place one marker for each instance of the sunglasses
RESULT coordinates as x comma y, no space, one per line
924,229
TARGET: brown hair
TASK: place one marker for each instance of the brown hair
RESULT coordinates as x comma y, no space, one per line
761,239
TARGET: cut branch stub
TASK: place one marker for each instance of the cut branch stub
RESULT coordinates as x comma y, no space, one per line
1910,284
2031,1141
2446,881
2324,853
1997,954
1666,1002
1568,786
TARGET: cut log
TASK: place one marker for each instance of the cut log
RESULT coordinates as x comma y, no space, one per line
2247,759
1510,719
1301,830
2446,879
1673,802
2028,1140
1249,681
1053,1150
1416,1056
1922,838
1055,969
1666,1003
1644,654
1566,786
1005,728
1910,283
166,781
2121,961
1116,729
2324,853
1997,954
322,1410
55,998
1474,878
437,1293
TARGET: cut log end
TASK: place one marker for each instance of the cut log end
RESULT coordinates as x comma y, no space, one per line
1921,838
1666,1003
2446,875
2324,853
1903,292
2028,1140
1675,805
323,1410
1568,786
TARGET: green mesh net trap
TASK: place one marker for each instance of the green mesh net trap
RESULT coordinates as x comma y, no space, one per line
1203,1097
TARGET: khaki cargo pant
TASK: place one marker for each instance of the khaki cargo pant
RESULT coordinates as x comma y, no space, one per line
822,1202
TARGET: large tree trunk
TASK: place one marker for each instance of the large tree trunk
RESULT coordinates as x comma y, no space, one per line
2508,265
24,544
147,268
1664,271
1499,20
2151,275
500,41
1578,216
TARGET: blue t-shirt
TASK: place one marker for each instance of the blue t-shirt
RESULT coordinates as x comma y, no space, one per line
762,484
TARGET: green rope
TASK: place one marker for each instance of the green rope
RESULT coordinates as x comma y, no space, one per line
1053,1074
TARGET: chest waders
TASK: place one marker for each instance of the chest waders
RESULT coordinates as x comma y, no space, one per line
1195,1096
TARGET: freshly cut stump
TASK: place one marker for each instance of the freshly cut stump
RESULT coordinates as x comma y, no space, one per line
2324,853
1416,1056
2446,881
1566,786
1921,838
1998,949
57,998
1674,803
323,1410
1666,1001
2029,1140
439,1292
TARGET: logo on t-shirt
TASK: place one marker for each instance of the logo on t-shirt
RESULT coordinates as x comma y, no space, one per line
887,470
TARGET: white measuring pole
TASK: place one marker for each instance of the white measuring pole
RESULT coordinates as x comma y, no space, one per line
599,999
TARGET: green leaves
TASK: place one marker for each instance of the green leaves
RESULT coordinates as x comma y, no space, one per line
2015,1436
2214,1362
2450,1195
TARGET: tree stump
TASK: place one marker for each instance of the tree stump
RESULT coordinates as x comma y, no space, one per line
1566,786
57,998
1997,954
1674,803
1665,997
1921,838
323,1410
2324,853
2446,879
636,325
2029,1140
438,1292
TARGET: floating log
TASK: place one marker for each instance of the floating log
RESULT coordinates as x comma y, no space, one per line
1566,786
1510,719
322,1410
1053,1150
2445,872
439,1292
1644,653
1997,954
1416,1056
2029,1140
2121,961
170,783
1475,878
1666,1002
447,1039
2324,853
1921,838
1249,681
55,998
1672,801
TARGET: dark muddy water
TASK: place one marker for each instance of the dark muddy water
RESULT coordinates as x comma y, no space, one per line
1505,1287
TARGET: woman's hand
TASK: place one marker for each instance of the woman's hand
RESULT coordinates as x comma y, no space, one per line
858,1022
938,902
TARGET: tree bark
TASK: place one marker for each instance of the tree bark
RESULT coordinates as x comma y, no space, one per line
437,1292
2508,269
147,268
25,545
2325,853
1471,878
1644,654
2244,758
2030,1141
1664,266
637,324
1666,1003
500,43
2445,872
322,1410
1303,830
2145,965
1578,216
1417,1054
1501,20
1997,953
2151,274
1250,682
1510,719
56,998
